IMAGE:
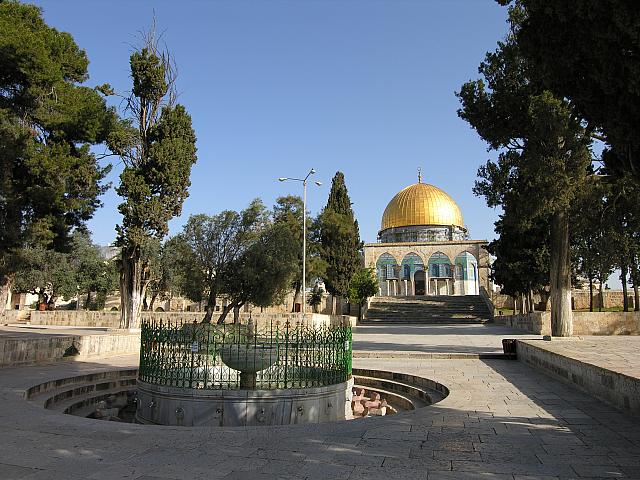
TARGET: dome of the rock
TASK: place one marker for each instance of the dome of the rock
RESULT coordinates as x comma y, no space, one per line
421,204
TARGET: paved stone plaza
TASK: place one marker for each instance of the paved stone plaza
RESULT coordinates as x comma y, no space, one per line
502,420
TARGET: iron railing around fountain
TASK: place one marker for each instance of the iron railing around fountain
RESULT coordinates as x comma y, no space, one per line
231,356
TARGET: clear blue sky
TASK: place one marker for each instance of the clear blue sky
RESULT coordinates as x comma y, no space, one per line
277,87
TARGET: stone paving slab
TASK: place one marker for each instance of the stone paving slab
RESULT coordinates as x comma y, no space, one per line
502,420
616,353
434,339
33,331
606,367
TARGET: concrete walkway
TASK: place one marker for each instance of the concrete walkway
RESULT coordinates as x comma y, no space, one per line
502,420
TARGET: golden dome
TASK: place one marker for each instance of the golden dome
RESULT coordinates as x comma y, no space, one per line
421,204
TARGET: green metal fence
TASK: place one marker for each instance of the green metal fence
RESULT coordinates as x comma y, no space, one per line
230,356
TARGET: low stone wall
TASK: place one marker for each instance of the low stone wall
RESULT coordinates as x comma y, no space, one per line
584,323
15,316
163,405
614,388
536,322
579,299
76,318
84,318
18,351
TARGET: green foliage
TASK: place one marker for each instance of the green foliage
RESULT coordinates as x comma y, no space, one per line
262,274
587,51
46,273
315,298
288,212
169,276
593,243
81,271
340,239
216,243
521,262
93,273
363,285
50,180
155,186
158,147
541,168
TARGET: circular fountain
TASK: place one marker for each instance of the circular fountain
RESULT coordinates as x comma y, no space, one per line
240,375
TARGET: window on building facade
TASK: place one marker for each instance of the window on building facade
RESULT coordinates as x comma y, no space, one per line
391,272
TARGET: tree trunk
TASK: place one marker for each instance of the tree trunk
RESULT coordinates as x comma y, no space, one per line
153,300
295,296
88,305
132,288
5,291
521,301
225,311
211,306
623,278
590,294
236,313
601,306
561,314
635,274
145,305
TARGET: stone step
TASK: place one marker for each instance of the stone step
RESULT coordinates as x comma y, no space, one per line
430,321
428,310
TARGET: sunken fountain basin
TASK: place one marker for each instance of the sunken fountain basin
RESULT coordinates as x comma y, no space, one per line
248,360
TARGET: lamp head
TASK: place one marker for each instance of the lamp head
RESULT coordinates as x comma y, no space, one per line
318,183
313,170
282,179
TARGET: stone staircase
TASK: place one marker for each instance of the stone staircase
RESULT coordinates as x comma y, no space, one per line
428,310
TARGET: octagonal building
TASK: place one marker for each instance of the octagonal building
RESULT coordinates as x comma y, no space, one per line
424,248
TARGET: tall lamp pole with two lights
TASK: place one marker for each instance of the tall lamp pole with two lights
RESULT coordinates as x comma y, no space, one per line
304,231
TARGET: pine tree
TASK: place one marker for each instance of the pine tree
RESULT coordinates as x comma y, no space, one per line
340,240
50,180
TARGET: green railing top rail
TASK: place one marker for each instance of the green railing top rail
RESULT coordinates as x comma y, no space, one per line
232,356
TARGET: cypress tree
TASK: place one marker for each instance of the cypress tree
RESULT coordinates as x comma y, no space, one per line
157,144
340,239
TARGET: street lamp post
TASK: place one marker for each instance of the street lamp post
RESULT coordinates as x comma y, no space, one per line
304,232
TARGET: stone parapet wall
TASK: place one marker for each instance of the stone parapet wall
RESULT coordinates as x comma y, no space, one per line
536,322
49,348
84,318
615,388
15,316
76,318
584,323
612,298
579,300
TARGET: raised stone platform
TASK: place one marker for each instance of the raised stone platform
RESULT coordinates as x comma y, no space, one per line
605,367
25,345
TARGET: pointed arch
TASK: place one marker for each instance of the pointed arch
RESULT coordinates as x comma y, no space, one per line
439,265
411,263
